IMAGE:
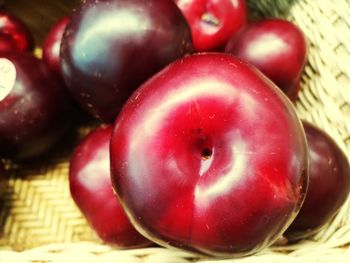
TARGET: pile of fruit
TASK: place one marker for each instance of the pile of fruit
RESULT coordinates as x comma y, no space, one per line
198,145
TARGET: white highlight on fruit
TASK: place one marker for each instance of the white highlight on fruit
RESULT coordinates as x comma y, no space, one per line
153,120
234,3
266,45
112,25
90,175
224,183
155,117
205,165
193,91
7,77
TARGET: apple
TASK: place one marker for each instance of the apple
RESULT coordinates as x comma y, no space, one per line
91,188
34,107
52,43
19,36
275,46
213,22
209,156
110,47
329,184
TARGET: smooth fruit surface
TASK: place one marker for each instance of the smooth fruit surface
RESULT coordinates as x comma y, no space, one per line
51,45
34,107
275,46
17,31
6,43
91,188
213,22
110,47
208,155
329,184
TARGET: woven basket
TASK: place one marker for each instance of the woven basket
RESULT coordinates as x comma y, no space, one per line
39,221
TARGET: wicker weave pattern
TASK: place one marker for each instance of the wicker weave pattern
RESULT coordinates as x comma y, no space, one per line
38,209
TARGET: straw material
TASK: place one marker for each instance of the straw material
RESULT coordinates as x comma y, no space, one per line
40,223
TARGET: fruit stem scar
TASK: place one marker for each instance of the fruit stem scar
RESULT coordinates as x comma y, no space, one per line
210,19
206,153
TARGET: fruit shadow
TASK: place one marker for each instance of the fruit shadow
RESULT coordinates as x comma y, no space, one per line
259,9
49,166
43,14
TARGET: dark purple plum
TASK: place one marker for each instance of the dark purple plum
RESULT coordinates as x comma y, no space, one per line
329,184
110,47
34,106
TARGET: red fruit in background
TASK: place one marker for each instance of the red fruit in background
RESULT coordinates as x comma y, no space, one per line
6,43
110,47
17,31
329,184
213,22
277,47
209,155
34,107
51,45
91,188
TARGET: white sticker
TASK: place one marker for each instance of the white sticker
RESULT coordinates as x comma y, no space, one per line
7,77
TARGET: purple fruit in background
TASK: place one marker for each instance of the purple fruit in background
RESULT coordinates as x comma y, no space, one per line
6,43
34,107
19,38
329,184
110,47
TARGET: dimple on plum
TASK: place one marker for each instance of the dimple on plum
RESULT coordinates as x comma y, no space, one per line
209,156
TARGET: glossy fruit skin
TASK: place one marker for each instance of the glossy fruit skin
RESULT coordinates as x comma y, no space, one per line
6,43
91,188
213,22
14,28
52,43
36,113
276,47
110,47
329,184
208,155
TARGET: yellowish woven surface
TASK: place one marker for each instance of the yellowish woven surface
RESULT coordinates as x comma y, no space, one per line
39,222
